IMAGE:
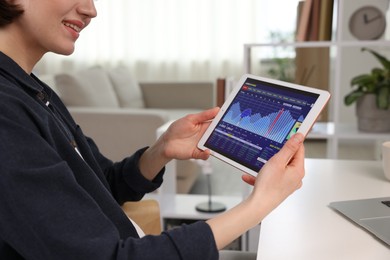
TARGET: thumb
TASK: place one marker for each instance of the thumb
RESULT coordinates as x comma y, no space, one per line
205,115
289,149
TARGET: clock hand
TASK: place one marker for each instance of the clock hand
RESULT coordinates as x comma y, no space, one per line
368,20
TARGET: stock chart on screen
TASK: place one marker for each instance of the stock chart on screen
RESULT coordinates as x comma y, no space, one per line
259,121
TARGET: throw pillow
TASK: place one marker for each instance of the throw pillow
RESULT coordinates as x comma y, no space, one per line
87,88
128,91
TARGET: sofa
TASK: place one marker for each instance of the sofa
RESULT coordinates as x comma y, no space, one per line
122,114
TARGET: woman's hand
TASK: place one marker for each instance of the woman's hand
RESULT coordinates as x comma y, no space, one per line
181,139
281,175
178,142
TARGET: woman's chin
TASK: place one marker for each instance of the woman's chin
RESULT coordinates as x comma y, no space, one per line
64,51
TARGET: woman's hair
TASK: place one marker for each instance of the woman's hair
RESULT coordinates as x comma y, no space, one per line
8,12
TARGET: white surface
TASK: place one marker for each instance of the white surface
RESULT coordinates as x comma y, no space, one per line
335,133
345,131
304,227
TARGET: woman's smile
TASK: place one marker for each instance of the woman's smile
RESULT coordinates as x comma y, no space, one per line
74,27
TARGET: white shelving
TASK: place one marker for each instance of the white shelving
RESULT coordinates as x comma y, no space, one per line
336,129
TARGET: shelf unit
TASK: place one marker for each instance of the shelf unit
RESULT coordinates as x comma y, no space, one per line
336,129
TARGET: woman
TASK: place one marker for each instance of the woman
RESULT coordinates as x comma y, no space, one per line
60,196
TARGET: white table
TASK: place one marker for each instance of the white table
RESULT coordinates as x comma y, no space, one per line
304,227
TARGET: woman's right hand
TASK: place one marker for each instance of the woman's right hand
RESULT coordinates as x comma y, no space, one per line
280,176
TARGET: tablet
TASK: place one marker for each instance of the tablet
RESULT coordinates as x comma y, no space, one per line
258,117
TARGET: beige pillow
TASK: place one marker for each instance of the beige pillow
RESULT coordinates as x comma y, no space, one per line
87,88
126,87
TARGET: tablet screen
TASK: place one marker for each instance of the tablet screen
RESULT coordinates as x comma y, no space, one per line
260,119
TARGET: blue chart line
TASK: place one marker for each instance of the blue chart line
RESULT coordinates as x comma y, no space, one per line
274,125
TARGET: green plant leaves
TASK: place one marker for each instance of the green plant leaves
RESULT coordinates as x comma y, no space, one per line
377,82
352,97
383,60
365,82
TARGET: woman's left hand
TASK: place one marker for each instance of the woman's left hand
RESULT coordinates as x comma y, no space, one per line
178,142
181,139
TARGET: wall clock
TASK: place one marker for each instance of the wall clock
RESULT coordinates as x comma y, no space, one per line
367,23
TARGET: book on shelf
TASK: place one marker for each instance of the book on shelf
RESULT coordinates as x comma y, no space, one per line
224,88
312,69
313,30
298,18
220,91
312,64
304,19
314,20
326,18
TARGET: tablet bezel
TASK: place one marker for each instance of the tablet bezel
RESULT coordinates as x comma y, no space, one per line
323,98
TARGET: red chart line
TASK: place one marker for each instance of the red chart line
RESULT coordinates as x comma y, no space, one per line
275,120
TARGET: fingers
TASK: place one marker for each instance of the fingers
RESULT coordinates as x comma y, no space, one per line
248,179
206,115
292,148
199,154
292,153
299,155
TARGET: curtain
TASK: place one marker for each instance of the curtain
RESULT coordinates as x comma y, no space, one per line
176,40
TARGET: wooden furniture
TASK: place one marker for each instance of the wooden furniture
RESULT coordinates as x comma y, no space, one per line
146,213
304,227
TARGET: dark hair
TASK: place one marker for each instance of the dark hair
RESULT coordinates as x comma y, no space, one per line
8,12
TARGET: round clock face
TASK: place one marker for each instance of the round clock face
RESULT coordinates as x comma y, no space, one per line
367,23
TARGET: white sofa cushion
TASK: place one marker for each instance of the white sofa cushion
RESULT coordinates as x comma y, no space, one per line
87,88
175,114
126,87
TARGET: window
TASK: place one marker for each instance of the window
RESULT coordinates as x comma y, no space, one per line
175,39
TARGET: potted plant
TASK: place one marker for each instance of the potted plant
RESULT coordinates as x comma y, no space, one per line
371,92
